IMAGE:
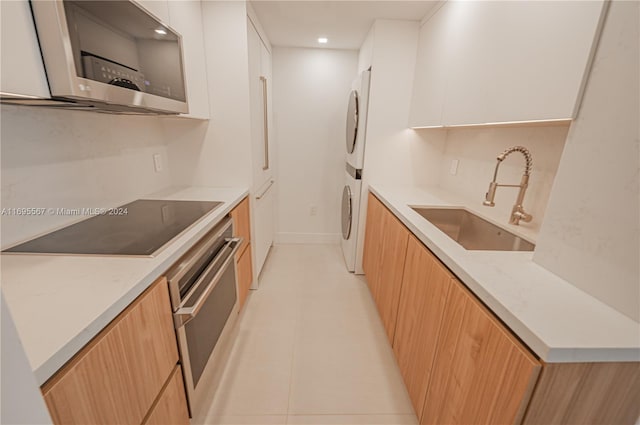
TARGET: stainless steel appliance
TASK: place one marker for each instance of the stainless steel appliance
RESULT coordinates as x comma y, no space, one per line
203,291
139,228
111,56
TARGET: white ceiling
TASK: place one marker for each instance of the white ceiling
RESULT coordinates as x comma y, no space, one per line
344,23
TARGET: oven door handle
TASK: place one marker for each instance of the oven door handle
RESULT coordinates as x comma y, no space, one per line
184,315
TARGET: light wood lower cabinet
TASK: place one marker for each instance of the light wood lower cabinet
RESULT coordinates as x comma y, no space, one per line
385,264
482,375
244,263
586,393
372,241
118,375
425,287
171,406
242,224
245,276
460,364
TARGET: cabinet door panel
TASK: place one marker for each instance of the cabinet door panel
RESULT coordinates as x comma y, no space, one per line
425,287
496,62
242,224
116,378
373,242
245,276
393,254
586,393
171,408
435,402
481,373
261,124
383,262
435,45
264,228
508,67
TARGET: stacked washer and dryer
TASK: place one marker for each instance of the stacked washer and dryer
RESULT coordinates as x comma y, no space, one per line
355,141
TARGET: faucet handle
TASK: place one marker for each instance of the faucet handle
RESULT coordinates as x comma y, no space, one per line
518,214
490,195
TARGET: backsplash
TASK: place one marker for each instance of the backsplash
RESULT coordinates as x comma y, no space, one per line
69,159
476,150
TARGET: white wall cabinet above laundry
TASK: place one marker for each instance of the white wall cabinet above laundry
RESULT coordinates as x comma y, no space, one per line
500,62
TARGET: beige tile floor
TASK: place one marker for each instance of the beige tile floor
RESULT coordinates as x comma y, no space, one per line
310,349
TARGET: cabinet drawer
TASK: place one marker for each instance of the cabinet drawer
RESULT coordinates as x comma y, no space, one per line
242,224
119,374
171,407
245,275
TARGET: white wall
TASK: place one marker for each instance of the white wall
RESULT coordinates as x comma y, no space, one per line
310,93
53,158
21,399
218,152
365,54
394,154
591,234
477,149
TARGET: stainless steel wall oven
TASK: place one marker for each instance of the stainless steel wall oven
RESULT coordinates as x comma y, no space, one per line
204,298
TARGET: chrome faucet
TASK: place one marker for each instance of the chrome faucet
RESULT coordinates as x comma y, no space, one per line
517,213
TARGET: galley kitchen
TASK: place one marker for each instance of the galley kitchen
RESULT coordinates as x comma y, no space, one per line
320,212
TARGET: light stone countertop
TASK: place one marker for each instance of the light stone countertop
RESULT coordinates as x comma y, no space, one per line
558,321
60,302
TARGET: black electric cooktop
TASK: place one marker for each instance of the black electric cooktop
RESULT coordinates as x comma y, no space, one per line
139,228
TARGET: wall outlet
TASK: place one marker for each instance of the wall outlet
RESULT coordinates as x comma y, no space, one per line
157,162
453,169
313,210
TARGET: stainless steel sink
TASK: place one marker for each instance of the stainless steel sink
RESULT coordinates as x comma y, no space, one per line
473,232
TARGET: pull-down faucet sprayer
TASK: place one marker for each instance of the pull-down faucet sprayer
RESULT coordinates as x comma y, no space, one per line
517,213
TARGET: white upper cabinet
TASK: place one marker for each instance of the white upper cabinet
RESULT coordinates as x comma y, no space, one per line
431,71
22,68
494,62
185,16
159,8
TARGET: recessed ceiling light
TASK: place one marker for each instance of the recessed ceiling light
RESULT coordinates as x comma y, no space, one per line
323,40
161,31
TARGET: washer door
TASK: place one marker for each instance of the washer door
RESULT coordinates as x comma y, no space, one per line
352,121
347,212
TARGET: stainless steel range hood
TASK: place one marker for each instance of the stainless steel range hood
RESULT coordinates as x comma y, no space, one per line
107,56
